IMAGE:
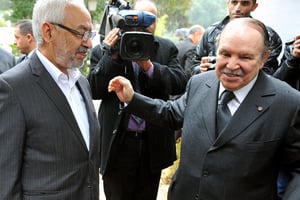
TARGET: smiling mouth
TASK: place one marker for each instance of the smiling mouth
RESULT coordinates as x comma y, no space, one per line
232,75
238,15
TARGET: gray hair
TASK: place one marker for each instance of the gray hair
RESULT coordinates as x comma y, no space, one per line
48,10
196,28
253,23
25,26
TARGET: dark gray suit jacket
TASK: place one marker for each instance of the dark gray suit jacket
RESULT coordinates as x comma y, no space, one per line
243,162
7,60
43,154
187,55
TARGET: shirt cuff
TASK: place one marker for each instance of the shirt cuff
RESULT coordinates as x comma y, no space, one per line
150,71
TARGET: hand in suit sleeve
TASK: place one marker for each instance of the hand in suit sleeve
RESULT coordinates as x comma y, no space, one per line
122,87
157,111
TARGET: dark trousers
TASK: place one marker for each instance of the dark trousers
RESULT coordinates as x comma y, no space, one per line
131,178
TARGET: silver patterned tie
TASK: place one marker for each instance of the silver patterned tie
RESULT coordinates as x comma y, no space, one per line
223,112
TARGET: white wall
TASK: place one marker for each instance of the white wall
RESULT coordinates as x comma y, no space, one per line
281,15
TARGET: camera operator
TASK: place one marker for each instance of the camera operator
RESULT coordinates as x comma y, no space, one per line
289,71
134,151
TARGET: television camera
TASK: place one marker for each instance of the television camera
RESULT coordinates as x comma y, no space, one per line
134,42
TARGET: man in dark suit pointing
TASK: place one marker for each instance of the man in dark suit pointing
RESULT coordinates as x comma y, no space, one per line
49,133
242,160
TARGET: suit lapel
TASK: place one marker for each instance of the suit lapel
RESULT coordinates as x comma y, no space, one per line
46,82
255,104
210,106
90,112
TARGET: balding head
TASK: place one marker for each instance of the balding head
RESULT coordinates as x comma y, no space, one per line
146,5
240,24
149,6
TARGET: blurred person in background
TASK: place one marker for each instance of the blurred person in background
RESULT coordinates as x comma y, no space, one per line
7,60
24,39
181,33
289,70
187,48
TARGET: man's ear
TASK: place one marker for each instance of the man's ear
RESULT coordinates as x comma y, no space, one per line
254,7
265,57
47,29
29,37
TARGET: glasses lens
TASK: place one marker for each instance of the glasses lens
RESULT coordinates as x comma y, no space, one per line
88,35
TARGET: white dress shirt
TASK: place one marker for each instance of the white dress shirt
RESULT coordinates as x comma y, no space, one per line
239,94
67,84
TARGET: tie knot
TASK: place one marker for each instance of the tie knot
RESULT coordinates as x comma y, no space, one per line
226,96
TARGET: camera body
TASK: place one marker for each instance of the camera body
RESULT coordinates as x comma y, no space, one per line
134,42
127,19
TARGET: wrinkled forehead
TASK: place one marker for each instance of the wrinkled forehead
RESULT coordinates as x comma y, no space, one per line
76,14
245,28
253,24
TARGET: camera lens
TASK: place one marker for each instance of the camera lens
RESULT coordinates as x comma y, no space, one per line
134,46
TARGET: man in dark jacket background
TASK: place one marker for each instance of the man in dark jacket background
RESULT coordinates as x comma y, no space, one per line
289,71
236,9
187,48
134,151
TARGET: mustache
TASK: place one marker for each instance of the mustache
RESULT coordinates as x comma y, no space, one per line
237,72
82,50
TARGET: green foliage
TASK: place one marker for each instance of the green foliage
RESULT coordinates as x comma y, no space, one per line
5,4
176,10
206,12
85,69
15,50
98,13
161,25
2,22
22,9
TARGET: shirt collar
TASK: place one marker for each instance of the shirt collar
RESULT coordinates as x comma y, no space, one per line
30,53
56,74
241,93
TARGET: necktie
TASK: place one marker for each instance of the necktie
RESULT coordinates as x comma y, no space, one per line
23,58
139,124
223,112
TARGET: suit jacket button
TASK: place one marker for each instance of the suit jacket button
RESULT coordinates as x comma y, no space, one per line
205,173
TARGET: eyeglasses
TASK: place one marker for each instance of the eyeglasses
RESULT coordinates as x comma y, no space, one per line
84,36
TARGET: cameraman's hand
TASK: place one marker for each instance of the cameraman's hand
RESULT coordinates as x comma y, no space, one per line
112,37
205,64
144,64
111,40
296,50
